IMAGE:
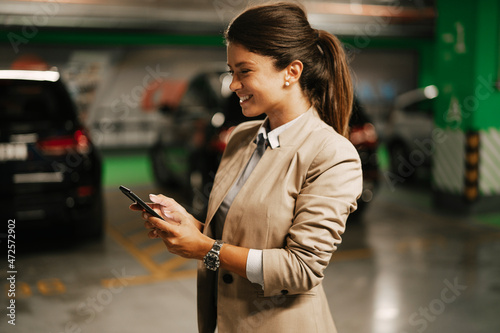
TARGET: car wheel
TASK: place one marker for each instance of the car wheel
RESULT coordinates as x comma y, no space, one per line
160,170
94,230
399,161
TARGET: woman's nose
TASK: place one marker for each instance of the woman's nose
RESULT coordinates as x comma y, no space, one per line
235,84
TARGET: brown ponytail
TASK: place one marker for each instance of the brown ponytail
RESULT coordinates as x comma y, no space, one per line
334,101
282,31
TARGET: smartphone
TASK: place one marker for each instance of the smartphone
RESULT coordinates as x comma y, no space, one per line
139,201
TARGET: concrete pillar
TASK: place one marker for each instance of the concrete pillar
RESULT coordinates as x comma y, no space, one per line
466,161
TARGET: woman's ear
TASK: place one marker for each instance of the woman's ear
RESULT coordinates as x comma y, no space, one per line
294,71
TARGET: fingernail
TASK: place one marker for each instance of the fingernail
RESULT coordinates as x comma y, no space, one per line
154,198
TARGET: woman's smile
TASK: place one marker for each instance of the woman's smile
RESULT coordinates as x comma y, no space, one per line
244,99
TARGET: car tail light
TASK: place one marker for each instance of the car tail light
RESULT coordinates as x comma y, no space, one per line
364,135
220,141
60,145
85,191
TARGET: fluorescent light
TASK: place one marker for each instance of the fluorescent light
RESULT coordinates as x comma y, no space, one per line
431,92
41,177
51,76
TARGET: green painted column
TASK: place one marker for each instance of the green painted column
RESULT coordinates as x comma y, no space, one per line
466,161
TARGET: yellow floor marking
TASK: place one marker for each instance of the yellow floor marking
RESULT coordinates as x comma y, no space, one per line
158,272
130,226
157,247
23,289
140,236
51,286
145,260
147,279
173,263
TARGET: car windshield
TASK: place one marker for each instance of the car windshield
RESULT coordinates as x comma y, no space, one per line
33,101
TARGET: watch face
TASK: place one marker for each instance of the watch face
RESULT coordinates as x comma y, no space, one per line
211,261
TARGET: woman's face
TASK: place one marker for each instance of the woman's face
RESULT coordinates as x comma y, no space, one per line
256,81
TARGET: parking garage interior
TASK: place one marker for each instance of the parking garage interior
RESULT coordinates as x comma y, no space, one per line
422,254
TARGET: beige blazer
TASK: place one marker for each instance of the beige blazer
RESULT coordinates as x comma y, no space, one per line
294,206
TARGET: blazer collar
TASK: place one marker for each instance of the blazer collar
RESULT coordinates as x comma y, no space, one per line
273,137
297,129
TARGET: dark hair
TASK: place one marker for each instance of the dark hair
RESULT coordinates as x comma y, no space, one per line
282,32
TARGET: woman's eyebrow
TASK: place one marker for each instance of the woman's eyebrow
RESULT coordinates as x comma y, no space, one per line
241,63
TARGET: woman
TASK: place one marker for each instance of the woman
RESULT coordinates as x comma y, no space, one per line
276,220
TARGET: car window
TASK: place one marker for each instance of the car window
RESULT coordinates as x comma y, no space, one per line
199,95
33,101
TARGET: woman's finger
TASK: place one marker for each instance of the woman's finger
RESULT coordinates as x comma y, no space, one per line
153,234
168,225
135,207
169,203
149,225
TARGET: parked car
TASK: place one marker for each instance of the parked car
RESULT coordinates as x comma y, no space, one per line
187,153
50,171
410,124
364,137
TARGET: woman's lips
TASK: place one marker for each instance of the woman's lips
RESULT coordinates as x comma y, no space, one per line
244,99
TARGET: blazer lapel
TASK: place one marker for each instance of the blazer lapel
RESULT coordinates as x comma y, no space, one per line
226,176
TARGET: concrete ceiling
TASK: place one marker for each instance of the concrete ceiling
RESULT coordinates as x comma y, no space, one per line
376,18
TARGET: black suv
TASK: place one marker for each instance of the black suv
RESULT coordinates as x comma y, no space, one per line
50,172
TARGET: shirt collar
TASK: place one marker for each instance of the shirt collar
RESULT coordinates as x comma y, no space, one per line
273,136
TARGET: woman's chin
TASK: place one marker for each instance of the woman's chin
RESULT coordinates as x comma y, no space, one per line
249,113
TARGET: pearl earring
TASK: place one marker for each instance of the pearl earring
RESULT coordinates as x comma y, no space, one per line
287,84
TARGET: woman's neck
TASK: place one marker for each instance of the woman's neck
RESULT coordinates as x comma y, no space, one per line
291,110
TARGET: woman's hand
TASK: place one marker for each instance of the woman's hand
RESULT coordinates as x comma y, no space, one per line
180,231
169,205
182,234
179,234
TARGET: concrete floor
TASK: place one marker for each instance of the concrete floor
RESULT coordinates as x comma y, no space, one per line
402,268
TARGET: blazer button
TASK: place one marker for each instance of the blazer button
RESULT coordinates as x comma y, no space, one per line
284,292
227,278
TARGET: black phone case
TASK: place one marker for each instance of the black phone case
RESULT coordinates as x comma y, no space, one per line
139,201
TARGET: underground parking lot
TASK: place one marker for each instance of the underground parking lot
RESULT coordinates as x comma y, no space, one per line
402,267
269,129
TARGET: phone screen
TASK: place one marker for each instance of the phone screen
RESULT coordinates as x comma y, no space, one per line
139,201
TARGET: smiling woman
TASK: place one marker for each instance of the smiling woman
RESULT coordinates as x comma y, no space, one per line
259,85
285,186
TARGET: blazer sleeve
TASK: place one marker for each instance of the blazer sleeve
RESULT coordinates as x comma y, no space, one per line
332,185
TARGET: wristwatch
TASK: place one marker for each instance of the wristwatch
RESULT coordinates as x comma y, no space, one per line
211,259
